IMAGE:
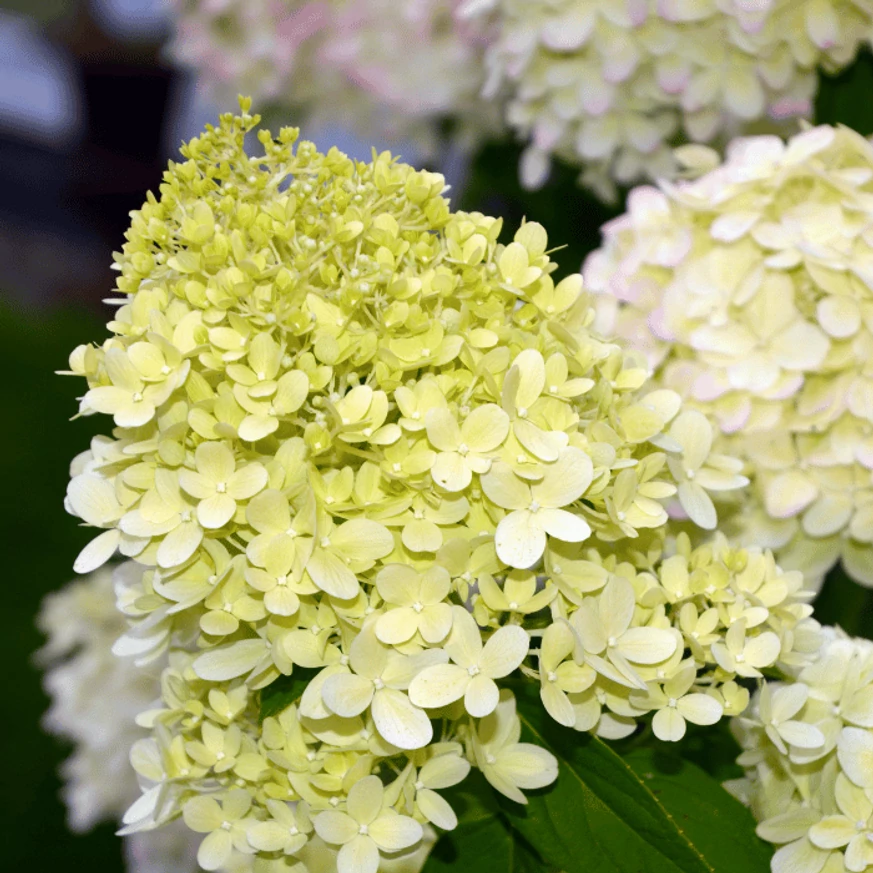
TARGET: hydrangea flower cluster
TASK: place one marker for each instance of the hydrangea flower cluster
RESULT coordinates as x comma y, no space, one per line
750,287
613,83
808,754
95,699
396,70
368,462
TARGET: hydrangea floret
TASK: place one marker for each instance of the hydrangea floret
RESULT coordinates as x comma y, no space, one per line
808,753
95,700
750,289
369,464
613,84
396,70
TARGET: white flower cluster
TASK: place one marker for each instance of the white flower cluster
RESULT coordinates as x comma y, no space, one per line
613,83
752,290
808,754
396,70
95,698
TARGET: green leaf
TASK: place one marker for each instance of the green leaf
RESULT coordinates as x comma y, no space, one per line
719,826
483,840
600,816
285,690
844,602
845,98
485,845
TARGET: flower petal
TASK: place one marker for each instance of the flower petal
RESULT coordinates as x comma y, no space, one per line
400,722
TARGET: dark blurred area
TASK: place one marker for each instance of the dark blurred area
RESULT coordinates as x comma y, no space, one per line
86,113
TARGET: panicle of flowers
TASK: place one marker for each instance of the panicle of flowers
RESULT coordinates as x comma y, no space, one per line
358,447
614,83
96,697
396,70
751,289
808,754
674,636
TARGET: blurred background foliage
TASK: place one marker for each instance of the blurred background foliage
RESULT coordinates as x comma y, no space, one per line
64,203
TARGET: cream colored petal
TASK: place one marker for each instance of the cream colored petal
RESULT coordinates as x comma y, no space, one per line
481,696
504,652
698,505
443,771
450,471
229,661
616,606
347,694
442,430
215,461
800,734
832,832
799,857
763,650
247,481
439,685
542,444
97,552
215,850
421,535
789,493
255,427
436,809
331,575
557,704
464,645
668,725
528,766
359,855
646,645
519,539
700,708
485,428
398,625
563,525
335,827
400,722
363,540
178,545
435,622
392,832
365,799
216,511
504,488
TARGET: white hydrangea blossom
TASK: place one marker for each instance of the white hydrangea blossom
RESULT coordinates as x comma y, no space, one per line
755,302
95,699
808,754
613,83
394,69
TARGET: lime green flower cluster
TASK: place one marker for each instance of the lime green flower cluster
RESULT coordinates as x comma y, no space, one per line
751,289
808,754
364,453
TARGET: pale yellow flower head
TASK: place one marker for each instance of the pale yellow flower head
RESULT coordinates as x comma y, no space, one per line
751,289
612,84
364,456
808,754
